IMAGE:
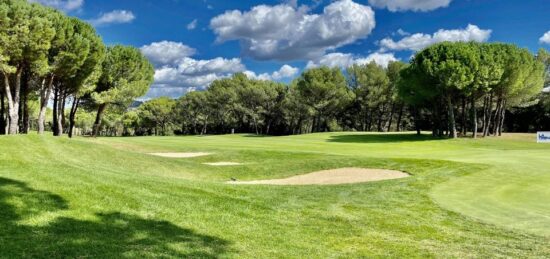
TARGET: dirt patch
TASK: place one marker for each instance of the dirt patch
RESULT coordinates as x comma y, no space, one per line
335,176
181,155
223,164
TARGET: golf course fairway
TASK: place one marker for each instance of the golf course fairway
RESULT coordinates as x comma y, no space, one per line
110,198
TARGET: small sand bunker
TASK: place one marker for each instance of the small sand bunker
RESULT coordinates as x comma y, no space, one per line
335,176
181,155
223,164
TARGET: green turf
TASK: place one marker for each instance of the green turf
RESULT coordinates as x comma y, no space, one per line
106,198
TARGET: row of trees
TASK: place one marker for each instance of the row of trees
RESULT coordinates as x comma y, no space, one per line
457,82
48,56
450,88
363,97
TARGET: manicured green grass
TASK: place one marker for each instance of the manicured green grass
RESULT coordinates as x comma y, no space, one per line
107,198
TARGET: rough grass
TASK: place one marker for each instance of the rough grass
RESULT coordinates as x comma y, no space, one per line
107,198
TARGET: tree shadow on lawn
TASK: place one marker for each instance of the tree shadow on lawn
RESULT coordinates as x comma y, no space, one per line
381,138
112,235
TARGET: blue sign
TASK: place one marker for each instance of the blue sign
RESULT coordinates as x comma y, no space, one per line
543,137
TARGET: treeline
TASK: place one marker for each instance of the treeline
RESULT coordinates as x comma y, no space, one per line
450,88
364,97
62,61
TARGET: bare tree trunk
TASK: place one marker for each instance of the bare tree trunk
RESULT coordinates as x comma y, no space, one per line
203,132
268,127
255,125
13,101
417,120
72,116
3,121
98,117
55,114
380,117
484,120
489,115
464,122
45,93
399,117
474,117
496,121
391,116
23,104
452,122
61,119
502,116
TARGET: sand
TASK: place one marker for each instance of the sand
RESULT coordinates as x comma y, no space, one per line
223,164
334,176
181,155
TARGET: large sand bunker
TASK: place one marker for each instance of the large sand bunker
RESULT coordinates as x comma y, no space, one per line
335,176
180,155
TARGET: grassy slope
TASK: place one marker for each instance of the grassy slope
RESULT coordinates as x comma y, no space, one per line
86,198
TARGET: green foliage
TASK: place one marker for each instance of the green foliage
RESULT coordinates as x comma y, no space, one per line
156,114
25,34
324,90
126,74
445,74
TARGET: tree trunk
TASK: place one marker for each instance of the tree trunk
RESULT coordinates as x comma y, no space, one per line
203,132
255,125
452,122
400,117
268,127
496,121
72,116
416,120
23,104
61,118
474,117
13,101
391,116
488,115
55,114
464,122
381,112
98,117
484,119
3,122
502,116
45,93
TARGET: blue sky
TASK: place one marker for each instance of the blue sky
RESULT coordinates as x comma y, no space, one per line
192,42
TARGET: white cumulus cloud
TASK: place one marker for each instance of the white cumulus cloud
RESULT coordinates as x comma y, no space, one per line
344,60
545,38
286,71
167,52
64,5
114,17
177,73
419,41
283,32
410,5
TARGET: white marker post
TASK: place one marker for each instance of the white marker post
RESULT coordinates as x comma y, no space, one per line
543,137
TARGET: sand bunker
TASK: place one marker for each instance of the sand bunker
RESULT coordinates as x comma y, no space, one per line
222,164
335,176
180,155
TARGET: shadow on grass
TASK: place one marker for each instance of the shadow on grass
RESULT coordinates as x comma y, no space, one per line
381,138
111,235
